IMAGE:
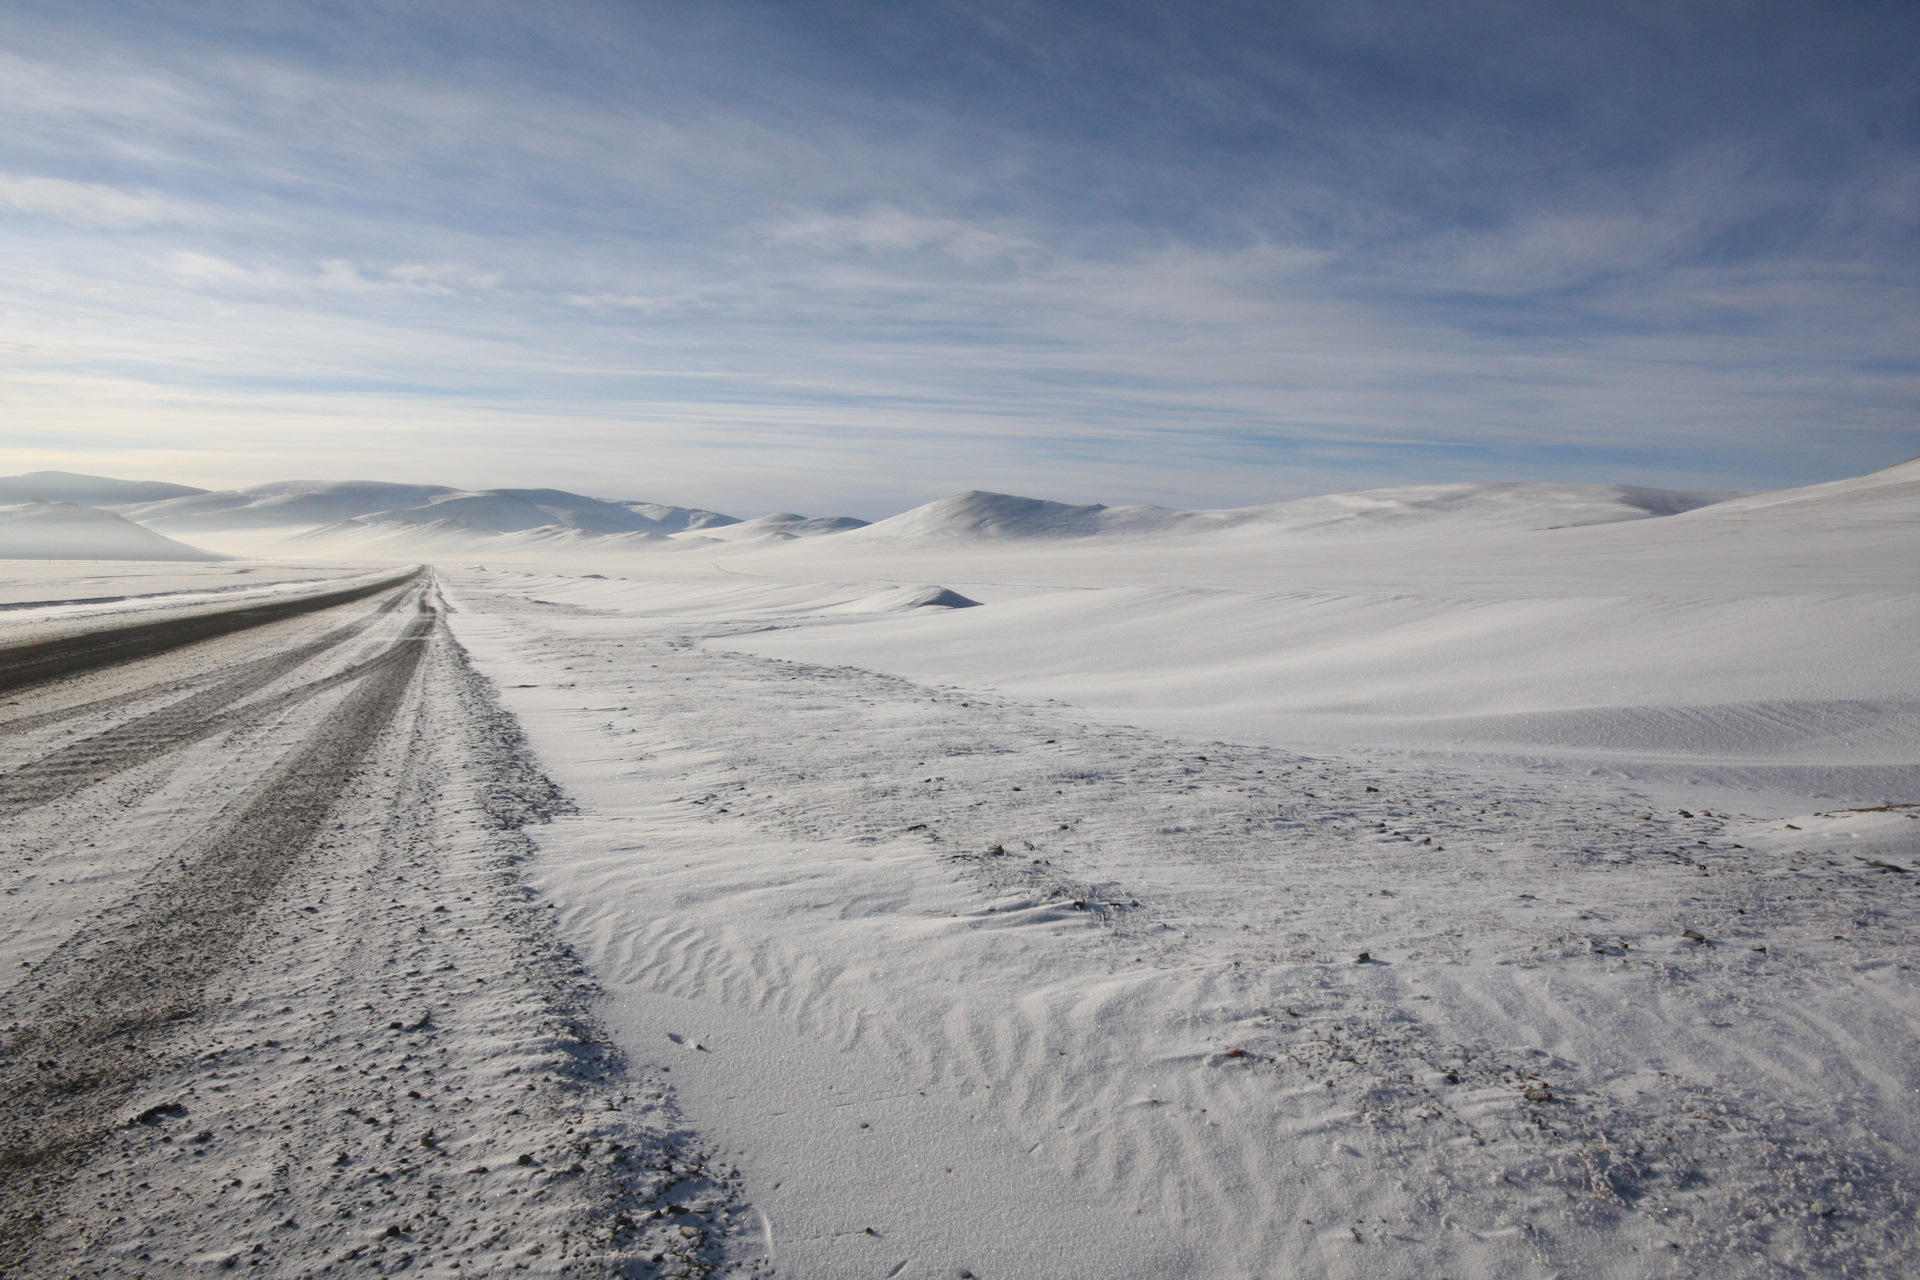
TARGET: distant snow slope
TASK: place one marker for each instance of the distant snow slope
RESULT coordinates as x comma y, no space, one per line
1765,643
68,531
282,504
1889,493
515,510
91,491
780,526
667,519
512,524
365,515
1406,509
389,536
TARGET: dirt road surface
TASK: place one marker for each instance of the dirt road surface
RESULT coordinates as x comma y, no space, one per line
277,998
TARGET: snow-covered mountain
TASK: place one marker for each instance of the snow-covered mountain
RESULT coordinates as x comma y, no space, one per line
282,504
311,504
668,519
514,510
69,531
90,491
779,527
977,515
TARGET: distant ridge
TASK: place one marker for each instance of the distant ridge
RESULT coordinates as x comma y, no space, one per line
516,510
312,504
1408,509
779,527
280,504
88,491
69,531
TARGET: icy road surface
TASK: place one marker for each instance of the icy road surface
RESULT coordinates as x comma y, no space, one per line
277,997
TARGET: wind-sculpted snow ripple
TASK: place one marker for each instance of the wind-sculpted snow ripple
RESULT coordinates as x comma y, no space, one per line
1314,1003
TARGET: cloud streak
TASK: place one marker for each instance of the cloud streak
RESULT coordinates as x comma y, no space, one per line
90,204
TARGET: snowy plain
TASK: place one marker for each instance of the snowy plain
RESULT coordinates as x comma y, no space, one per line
1516,882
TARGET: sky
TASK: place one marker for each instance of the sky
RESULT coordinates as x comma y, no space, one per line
846,257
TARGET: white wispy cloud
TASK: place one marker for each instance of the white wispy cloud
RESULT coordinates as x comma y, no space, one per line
1213,276
92,204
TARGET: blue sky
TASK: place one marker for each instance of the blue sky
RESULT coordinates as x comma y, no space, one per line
853,256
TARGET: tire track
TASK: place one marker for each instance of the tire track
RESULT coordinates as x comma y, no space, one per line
200,716
99,1019
70,654
275,664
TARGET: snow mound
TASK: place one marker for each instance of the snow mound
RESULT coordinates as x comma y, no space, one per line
907,599
69,531
89,491
1404,510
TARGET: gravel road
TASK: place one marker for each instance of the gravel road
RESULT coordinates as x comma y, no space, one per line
281,1000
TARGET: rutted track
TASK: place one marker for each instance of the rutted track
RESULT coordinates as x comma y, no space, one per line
236,679
201,715
72,652
325,839
88,1030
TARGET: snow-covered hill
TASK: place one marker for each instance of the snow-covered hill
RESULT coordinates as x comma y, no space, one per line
516,510
778,527
282,504
69,531
389,536
90,491
1406,509
301,506
1889,493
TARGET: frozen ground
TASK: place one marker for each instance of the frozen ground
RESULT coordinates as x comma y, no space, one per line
959,959
1416,894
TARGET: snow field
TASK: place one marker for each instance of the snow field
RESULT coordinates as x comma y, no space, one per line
1112,978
